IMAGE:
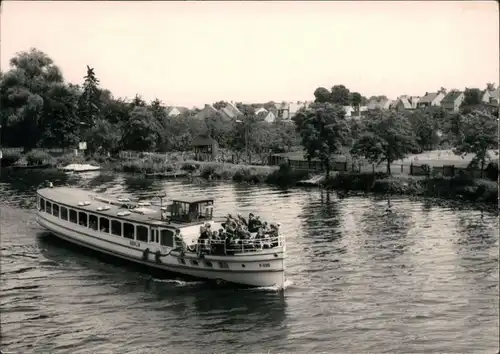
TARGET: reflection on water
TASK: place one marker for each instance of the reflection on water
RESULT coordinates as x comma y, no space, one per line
367,274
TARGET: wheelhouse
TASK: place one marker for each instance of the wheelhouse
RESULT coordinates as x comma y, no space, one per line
191,210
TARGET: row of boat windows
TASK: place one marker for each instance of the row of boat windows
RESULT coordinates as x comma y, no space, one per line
114,227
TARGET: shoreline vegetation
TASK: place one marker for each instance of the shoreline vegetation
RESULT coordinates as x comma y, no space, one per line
41,109
483,190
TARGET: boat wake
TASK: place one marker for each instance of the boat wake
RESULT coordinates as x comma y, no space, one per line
287,284
178,282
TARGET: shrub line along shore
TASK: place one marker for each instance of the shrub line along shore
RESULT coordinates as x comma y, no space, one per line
458,188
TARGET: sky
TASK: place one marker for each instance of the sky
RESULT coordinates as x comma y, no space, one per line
192,53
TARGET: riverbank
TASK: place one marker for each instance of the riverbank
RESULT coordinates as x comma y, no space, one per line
457,188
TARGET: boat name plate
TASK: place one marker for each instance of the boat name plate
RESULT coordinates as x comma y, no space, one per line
135,244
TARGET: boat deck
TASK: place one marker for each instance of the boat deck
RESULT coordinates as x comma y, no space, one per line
71,197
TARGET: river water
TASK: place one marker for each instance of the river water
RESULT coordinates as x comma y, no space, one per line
365,275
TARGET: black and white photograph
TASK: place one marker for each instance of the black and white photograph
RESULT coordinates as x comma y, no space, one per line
249,177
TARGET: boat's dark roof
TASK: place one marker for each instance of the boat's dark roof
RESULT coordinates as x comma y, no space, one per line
72,196
192,200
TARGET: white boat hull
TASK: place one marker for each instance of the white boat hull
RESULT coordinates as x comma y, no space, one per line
258,269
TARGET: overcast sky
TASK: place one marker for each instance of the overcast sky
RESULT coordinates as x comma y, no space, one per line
191,53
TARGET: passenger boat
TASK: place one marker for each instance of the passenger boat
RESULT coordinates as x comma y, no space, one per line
161,236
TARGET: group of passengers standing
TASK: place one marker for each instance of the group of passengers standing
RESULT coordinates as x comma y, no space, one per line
239,232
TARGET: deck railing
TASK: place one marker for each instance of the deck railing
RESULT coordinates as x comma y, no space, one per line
222,247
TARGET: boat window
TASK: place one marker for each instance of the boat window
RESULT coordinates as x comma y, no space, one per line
167,238
93,221
116,227
128,230
55,210
42,204
72,216
48,208
141,233
104,225
64,213
82,219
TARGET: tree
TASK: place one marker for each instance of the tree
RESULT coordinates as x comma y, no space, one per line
219,128
322,95
425,127
138,101
355,99
88,106
23,91
388,137
142,132
472,96
340,95
60,121
324,132
490,86
220,104
104,136
477,133
442,90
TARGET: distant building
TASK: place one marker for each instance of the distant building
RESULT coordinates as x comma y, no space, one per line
176,111
205,148
383,103
207,111
431,99
266,116
452,101
230,111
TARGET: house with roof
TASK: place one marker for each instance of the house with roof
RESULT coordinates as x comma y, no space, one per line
495,96
485,96
287,110
452,101
431,99
207,111
230,111
266,116
402,104
260,110
205,148
176,111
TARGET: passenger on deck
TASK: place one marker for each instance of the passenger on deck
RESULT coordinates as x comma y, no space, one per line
242,220
251,223
258,222
178,238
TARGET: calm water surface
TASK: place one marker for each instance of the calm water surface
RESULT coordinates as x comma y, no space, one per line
418,276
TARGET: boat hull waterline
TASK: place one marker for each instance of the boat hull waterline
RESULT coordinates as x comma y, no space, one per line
256,269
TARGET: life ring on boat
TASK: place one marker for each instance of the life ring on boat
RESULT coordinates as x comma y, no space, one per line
157,256
145,254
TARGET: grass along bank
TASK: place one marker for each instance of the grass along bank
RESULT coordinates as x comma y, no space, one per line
459,188
42,158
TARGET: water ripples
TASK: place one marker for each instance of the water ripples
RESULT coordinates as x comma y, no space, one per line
364,275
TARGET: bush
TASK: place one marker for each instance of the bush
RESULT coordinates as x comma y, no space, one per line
190,166
286,175
144,166
10,158
491,171
38,157
355,181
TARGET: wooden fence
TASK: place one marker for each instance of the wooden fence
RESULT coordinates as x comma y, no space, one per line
396,169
